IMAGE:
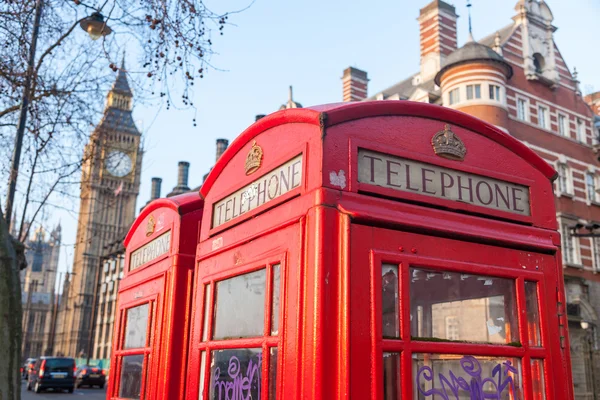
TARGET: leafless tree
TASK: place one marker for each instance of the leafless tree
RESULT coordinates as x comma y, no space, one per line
169,44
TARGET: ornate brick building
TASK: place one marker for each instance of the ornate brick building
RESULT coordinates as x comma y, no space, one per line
517,79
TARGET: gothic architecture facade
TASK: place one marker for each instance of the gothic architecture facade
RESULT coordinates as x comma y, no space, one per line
37,292
109,188
517,79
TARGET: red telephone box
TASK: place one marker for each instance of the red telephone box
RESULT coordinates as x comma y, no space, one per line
378,250
150,340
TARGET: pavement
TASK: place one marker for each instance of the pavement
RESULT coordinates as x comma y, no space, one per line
83,393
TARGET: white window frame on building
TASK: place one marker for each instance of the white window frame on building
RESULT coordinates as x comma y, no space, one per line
571,253
564,182
591,187
523,114
595,245
562,123
454,96
495,92
543,116
580,129
474,91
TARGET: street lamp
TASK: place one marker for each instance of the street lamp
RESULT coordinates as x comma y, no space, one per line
95,26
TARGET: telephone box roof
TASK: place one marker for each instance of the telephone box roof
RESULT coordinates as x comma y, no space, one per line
181,204
328,115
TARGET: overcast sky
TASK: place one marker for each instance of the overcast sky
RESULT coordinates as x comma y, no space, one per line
308,44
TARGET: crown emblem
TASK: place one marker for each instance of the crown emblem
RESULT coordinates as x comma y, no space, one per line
446,144
254,159
150,226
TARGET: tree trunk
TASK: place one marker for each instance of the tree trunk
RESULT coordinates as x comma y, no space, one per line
11,260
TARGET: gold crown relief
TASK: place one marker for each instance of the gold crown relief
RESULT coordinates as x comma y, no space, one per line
446,144
254,158
150,226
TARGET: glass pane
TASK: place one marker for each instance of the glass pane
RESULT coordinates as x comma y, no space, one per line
131,376
276,295
389,301
202,374
206,312
136,327
464,307
444,376
537,382
391,376
273,374
240,306
235,374
533,313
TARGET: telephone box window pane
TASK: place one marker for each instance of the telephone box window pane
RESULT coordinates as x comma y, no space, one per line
206,312
389,301
131,376
136,327
447,376
235,373
276,294
533,313
240,306
537,382
202,374
273,374
462,307
391,376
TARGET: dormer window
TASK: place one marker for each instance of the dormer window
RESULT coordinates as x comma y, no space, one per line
538,63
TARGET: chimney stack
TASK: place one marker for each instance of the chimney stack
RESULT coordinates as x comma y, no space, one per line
182,174
155,191
221,147
437,25
354,83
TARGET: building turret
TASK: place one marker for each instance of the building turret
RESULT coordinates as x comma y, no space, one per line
473,80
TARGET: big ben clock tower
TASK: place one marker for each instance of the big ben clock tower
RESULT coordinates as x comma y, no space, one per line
109,188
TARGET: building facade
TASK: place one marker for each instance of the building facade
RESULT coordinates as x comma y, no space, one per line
109,188
37,292
517,80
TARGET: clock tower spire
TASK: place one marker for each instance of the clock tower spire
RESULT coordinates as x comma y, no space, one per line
110,184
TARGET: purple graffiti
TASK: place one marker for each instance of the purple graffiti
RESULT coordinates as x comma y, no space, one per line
235,385
478,388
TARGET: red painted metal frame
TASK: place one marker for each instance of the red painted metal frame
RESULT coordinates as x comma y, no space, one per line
329,347
166,283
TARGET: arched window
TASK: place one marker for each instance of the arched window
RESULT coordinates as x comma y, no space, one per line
538,63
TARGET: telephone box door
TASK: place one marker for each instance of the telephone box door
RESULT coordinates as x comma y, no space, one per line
452,319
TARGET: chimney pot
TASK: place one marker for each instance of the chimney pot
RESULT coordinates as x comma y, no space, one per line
221,147
155,192
259,116
182,176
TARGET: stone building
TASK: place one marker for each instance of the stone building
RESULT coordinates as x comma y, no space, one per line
110,183
516,79
37,291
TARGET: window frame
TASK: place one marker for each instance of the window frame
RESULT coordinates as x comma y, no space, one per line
266,342
474,87
451,100
120,351
592,196
570,246
565,125
546,116
564,173
580,130
406,344
495,92
525,116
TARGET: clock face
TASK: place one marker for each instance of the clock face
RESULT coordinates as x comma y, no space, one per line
118,163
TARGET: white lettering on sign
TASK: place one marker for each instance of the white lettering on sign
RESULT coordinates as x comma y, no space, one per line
270,186
150,251
416,177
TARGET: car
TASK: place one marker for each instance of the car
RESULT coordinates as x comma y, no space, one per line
57,373
91,376
27,365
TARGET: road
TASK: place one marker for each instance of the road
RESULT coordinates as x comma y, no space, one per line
84,393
